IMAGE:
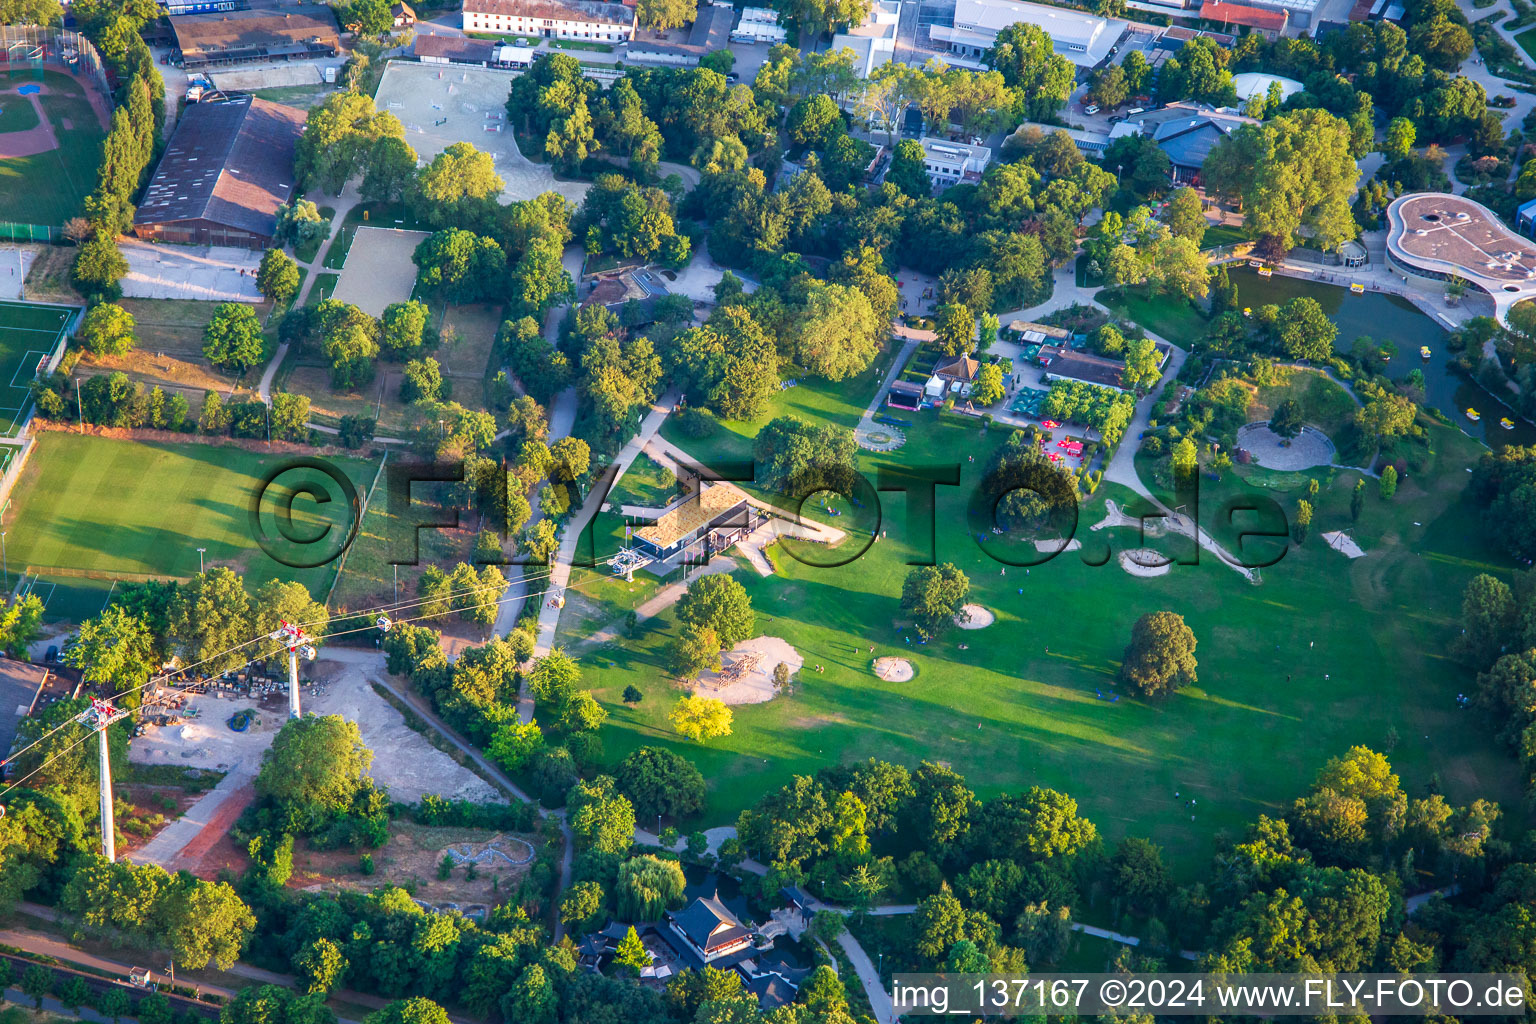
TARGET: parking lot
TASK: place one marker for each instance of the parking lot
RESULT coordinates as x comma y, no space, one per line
210,273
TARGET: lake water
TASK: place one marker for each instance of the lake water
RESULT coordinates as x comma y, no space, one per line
1393,318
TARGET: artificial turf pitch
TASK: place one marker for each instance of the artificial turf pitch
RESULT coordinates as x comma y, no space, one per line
89,510
28,333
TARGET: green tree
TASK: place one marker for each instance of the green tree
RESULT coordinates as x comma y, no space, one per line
1399,138
107,330
836,332
37,982
646,887
319,965
1357,500
366,17
695,649
632,954
1305,331
416,1010
210,620
956,329
232,340
1295,170
314,769
1161,655
988,389
1287,419
581,903
909,171
933,595
718,602
115,652
278,276
601,819
422,381
1185,215
98,265
1029,64
515,744
405,328
532,997
1388,482
659,781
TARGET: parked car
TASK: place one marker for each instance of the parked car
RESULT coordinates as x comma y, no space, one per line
1092,108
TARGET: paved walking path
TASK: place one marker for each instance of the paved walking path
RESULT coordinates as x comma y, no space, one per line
166,847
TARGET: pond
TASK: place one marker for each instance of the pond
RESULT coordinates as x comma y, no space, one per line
1395,319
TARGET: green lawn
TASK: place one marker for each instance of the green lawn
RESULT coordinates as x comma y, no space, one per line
1326,653
644,483
1168,316
1222,234
1324,402
90,510
17,114
1527,41
48,188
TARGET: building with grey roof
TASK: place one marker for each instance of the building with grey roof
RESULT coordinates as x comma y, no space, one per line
711,31
242,37
1083,38
227,169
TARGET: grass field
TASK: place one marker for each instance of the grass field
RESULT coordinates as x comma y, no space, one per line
47,188
28,332
91,510
1326,653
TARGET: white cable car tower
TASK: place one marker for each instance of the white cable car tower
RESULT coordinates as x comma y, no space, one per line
97,717
298,642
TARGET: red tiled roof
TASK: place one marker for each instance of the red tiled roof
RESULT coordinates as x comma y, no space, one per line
1242,14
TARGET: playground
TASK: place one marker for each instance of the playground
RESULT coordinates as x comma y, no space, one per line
746,672
440,106
51,127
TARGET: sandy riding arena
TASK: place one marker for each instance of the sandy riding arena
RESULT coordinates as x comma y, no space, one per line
379,269
1344,544
974,616
893,670
746,671
1145,562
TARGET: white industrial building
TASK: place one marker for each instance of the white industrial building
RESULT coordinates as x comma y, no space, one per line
949,163
1251,83
874,42
759,25
551,19
1085,39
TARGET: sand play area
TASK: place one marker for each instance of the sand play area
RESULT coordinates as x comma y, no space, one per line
1344,544
893,670
746,671
1145,562
974,616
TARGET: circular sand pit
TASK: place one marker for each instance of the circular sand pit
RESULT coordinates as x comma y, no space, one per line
974,616
1145,562
893,670
746,671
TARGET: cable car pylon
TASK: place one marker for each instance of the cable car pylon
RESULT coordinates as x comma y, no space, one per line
98,717
298,642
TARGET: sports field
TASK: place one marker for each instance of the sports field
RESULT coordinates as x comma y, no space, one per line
28,333
47,187
89,511
1326,653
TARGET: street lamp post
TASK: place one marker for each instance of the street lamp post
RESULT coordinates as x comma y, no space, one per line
79,405
5,560
200,560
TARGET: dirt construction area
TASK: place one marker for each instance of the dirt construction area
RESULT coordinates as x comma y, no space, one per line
379,269
403,760
211,273
443,105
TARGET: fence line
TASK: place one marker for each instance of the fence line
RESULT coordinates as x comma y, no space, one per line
36,46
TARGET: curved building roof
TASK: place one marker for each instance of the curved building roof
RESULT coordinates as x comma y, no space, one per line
1446,234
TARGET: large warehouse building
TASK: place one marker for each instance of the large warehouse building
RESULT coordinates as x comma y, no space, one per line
226,171
243,37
